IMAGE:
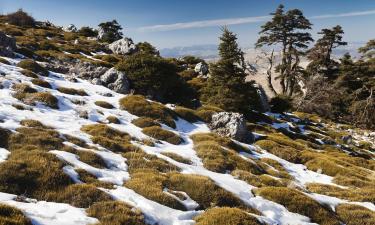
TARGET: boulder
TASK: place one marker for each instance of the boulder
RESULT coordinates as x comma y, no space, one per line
116,81
7,45
87,70
201,68
70,28
232,125
124,46
101,33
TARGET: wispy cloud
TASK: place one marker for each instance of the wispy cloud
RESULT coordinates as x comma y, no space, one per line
234,21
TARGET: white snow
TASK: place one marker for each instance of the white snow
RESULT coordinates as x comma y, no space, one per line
3,154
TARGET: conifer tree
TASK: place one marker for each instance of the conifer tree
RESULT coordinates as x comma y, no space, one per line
368,50
111,31
288,30
320,54
226,87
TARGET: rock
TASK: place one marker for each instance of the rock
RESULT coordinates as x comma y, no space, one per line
70,28
124,46
201,68
101,33
232,125
7,45
116,81
87,70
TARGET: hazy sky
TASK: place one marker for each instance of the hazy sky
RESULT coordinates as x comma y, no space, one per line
169,23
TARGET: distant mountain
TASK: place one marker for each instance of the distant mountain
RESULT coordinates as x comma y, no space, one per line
203,51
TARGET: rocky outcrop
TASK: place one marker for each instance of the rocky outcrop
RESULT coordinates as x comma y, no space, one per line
116,81
87,70
201,68
70,28
124,46
232,125
7,45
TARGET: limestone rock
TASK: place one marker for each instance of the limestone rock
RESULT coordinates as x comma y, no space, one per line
201,68
124,46
70,28
7,45
232,125
116,81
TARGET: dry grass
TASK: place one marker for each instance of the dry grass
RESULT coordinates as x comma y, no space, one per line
30,96
206,112
12,216
4,61
4,137
143,122
227,216
139,161
72,91
187,114
139,106
88,157
163,135
284,152
258,181
104,104
355,214
297,202
115,213
41,83
113,119
32,123
88,178
33,66
177,158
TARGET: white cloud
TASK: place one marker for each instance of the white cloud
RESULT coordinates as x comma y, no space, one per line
234,21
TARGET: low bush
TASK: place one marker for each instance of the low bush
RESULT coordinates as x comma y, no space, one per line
143,122
12,216
281,103
187,114
20,18
72,91
78,195
355,214
227,216
161,134
139,106
41,83
104,104
113,119
298,202
33,66
115,213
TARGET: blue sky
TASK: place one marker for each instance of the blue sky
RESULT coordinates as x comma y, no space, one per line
198,21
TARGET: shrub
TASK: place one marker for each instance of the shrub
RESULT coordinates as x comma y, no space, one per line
108,58
41,83
33,66
161,134
87,32
355,214
281,103
226,215
139,106
187,114
297,202
12,216
151,185
72,91
104,104
113,119
78,195
143,122
29,73
20,18
115,213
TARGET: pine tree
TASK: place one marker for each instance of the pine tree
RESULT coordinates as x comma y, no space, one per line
226,87
368,50
111,31
287,29
320,54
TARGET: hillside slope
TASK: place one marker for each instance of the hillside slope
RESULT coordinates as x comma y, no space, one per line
77,153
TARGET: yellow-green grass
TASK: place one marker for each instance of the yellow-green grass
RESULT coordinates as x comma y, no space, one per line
88,178
187,114
285,152
72,91
205,112
33,66
113,119
163,135
355,214
139,106
177,158
227,216
30,96
222,140
41,83
143,122
88,157
263,180
115,213
32,123
300,203
104,104
12,216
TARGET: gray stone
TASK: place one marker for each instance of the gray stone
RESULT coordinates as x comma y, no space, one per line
116,81
87,70
7,45
70,28
124,46
201,68
231,125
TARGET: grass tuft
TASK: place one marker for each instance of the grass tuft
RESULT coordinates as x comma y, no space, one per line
72,91
12,216
104,104
33,66
163,135
227,216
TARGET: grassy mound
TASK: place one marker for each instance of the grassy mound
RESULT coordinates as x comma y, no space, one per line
104,104
33,66
72,91
366,194
32,123
115,213
263,180
139,106
139,160
29,73
288,153
12,216
41,83
30,96
187,114
163,135
206,112
227,216
177,157
355,214
297,202
113,119
88,157
143,122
